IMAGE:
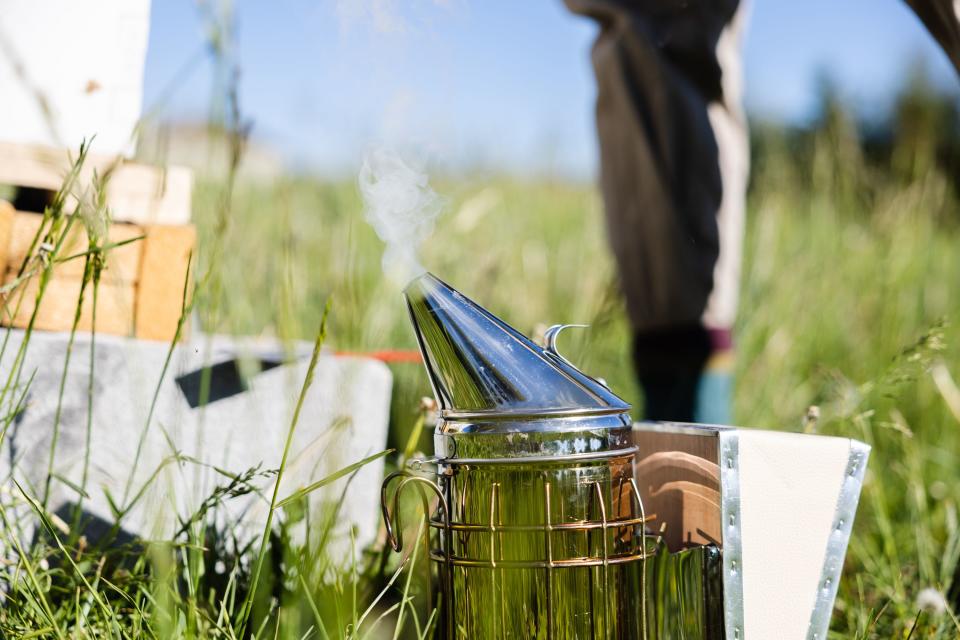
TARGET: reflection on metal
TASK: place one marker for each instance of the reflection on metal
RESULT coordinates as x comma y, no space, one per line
783,520
550,339
685,594
480,366
559,554
562,546
537,506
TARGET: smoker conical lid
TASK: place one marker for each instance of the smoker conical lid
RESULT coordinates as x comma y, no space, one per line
481,366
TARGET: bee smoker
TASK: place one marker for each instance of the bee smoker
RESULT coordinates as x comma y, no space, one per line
546,495
539,526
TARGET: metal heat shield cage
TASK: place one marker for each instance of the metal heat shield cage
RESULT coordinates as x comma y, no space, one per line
559,549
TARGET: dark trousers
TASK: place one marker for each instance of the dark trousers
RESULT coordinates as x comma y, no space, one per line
673,163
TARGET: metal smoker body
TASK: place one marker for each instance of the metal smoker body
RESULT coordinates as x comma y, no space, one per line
539,523
539,527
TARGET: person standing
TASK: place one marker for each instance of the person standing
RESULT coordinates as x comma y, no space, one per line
674,165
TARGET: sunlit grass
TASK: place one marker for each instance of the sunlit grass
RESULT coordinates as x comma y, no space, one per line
847,265
849,303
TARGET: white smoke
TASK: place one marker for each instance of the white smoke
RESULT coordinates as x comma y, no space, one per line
401,207
385,16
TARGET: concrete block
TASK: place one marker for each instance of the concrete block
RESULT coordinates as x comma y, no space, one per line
344,419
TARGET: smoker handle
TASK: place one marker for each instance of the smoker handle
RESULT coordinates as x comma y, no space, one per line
392,522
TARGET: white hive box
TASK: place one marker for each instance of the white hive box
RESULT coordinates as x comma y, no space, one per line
83,61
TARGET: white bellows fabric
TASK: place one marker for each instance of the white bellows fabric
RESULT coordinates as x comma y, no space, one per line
789,489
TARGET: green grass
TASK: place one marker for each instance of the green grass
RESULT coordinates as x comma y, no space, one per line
849,303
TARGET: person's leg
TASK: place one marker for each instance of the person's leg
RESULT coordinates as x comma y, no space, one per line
669,364
729,123
663,182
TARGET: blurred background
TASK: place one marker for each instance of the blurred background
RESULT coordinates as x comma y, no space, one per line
854,136
847,320
494,86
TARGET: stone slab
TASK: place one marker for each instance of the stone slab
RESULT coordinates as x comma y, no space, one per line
344,419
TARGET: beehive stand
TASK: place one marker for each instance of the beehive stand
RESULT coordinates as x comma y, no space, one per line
142,287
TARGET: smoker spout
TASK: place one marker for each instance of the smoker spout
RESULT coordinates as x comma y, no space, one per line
478,364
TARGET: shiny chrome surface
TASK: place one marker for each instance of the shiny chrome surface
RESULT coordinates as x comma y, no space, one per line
486,441
539,527
551,549
550,338
487,374
839,538
732,541
559,551
685,594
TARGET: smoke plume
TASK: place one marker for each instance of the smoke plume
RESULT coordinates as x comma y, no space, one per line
401,207
385,16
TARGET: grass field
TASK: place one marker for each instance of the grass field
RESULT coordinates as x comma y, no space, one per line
850,301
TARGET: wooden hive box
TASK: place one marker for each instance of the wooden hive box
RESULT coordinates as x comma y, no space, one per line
141,290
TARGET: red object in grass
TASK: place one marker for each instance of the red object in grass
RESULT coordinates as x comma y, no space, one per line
390,355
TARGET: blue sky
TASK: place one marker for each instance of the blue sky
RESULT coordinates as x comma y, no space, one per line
495,83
